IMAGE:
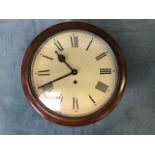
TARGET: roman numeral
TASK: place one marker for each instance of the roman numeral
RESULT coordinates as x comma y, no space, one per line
46,87
58,45
101,86
60,98
46,57
101,56
105,70
75,104
89,44
43,72
74,41
92,99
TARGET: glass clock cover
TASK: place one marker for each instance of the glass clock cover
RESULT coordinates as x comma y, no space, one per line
74,73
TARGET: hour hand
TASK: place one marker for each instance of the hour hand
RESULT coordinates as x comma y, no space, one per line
62,58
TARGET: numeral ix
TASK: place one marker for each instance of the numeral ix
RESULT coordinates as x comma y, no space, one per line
43,72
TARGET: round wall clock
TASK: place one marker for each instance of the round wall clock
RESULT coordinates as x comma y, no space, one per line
73,73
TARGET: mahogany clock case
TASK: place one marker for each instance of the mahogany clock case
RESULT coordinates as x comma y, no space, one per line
50,115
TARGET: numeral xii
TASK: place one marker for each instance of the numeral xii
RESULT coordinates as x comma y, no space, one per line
74,41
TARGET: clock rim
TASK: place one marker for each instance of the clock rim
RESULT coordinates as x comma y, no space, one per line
57,118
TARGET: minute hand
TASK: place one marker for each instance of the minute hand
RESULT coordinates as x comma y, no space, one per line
51,82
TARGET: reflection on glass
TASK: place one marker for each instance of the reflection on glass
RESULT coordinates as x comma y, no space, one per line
51,99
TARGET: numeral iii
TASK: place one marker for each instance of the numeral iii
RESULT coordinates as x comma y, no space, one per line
105,70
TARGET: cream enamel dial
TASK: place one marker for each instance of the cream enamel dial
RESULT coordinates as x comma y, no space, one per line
74,73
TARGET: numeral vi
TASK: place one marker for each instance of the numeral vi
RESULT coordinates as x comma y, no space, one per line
75,104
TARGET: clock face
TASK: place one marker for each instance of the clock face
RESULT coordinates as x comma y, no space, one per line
74,73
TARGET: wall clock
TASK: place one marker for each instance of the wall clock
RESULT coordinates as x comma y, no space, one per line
73,73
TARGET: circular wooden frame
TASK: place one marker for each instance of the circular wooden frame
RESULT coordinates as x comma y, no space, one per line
52,116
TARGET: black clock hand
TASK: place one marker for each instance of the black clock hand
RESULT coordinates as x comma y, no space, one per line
51,82
62,58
